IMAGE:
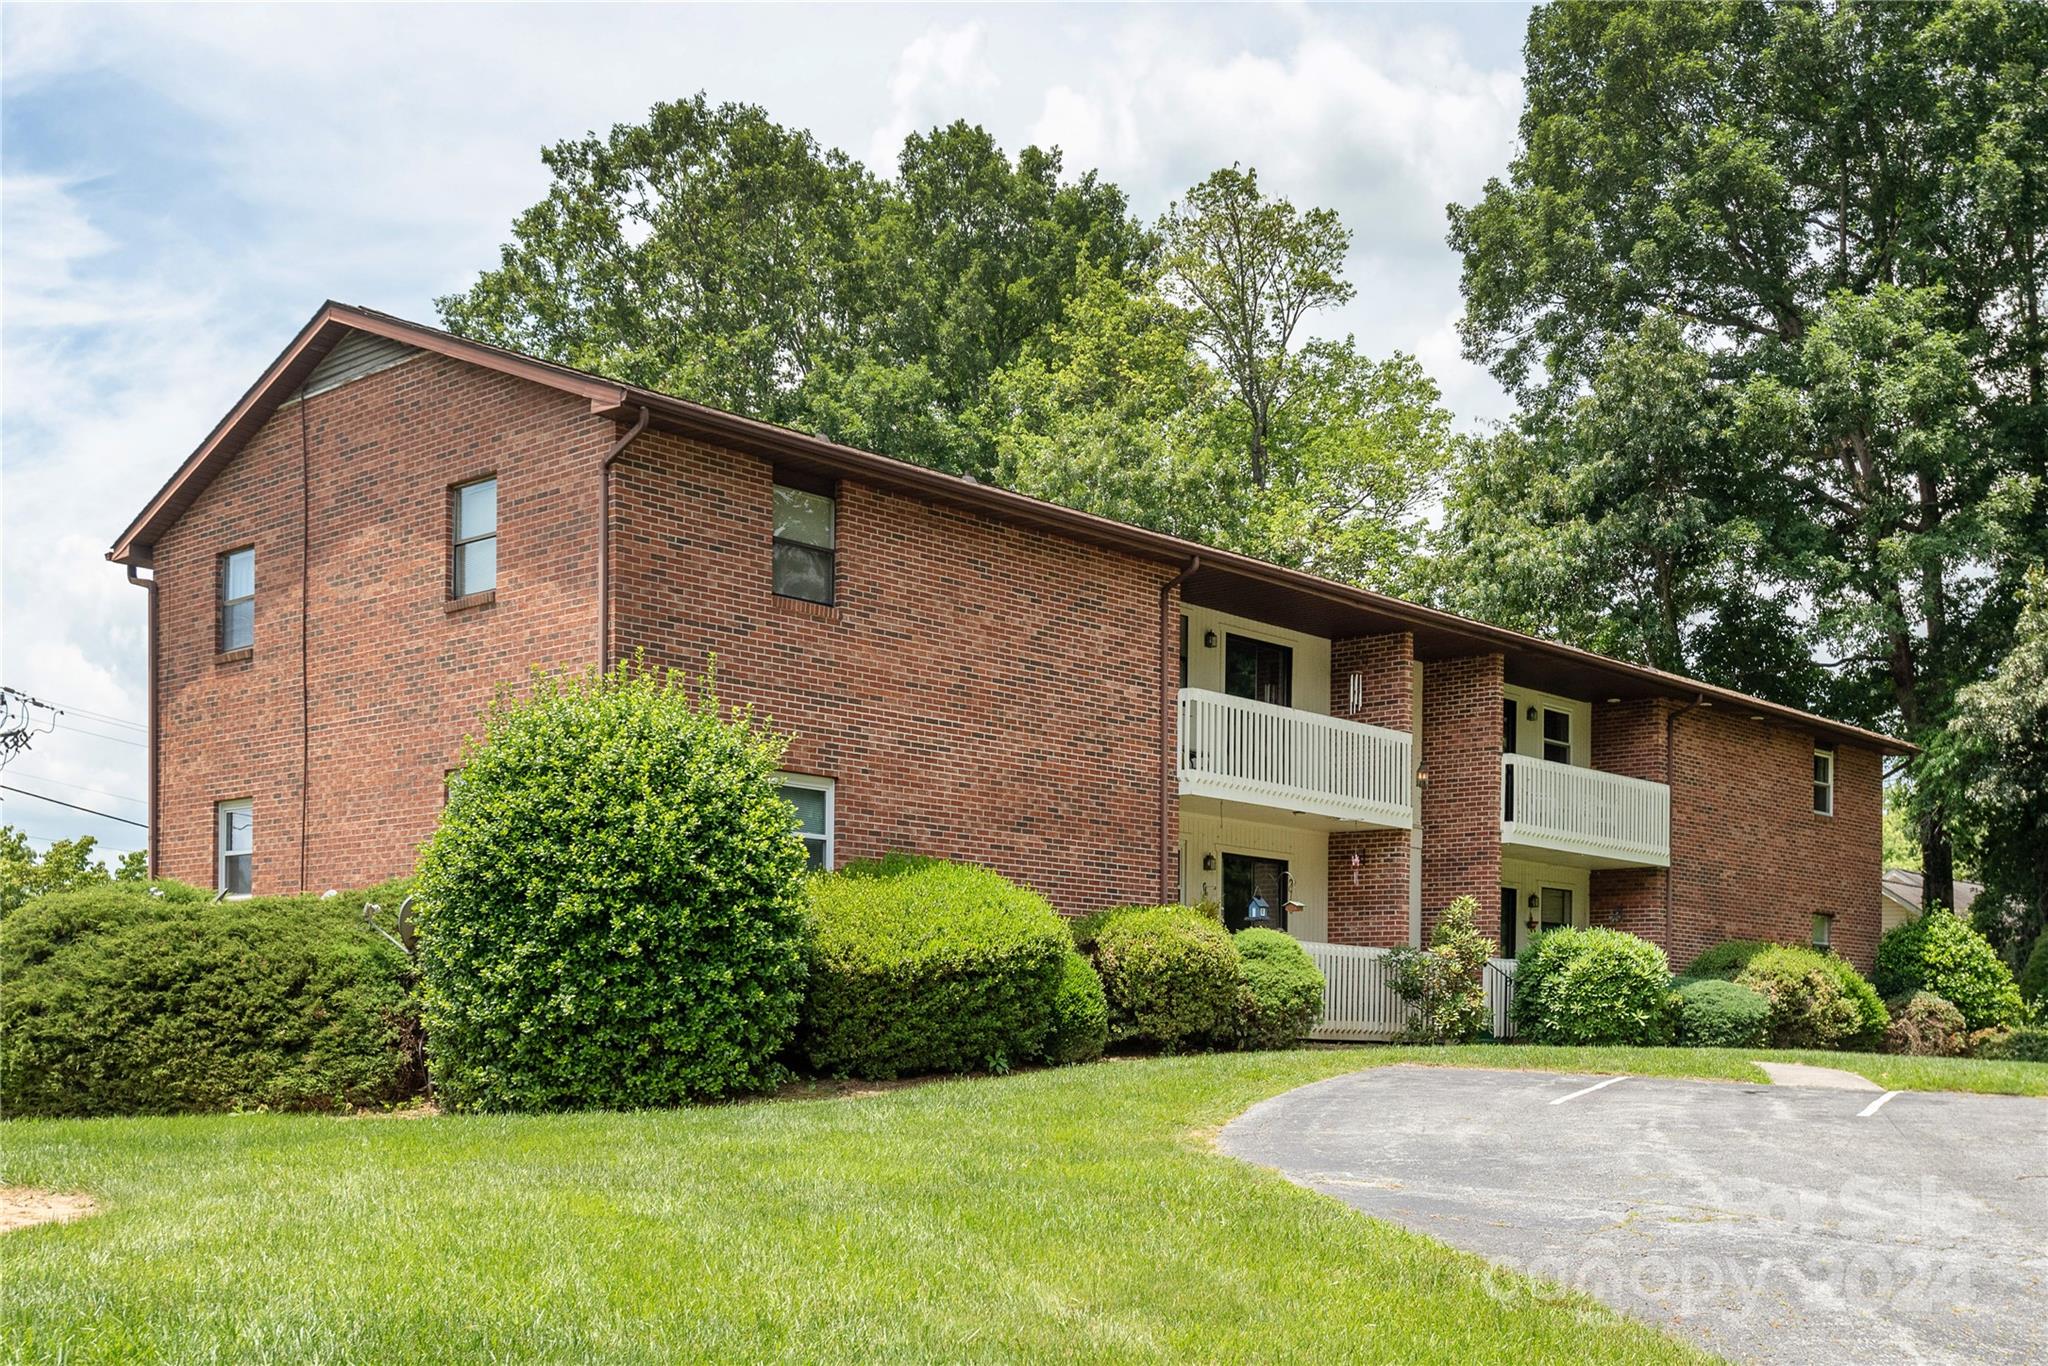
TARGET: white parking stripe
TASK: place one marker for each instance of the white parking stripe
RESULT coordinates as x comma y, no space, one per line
1588,1090
1867,1111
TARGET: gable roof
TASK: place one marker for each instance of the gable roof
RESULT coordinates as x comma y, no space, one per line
1216,578
1903,887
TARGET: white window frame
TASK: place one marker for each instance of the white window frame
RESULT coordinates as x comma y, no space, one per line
221,852
1823,932
223,602
457,541
1828,786
829,786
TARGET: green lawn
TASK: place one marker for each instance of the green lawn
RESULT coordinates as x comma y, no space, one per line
1074,1213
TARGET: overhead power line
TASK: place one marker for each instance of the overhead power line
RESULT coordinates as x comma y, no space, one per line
108,815
81,787
76,729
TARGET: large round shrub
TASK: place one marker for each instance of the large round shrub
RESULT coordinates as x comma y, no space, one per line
1595,986
1281,996
1939,952
1170,973
1817,1000
1080,1015
2028,1043
1923,1025
611,912
2034,976
923,966
115,1001
1713,1013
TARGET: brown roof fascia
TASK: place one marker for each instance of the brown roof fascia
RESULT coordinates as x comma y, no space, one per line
621,402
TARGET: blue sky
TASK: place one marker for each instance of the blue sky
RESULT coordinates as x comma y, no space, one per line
183,186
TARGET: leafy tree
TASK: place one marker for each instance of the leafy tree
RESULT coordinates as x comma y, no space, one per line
712,253
1838,209
1992,762
1250,270
1901,847
66,866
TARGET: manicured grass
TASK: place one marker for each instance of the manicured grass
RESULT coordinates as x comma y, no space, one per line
1061,1214
1069,1213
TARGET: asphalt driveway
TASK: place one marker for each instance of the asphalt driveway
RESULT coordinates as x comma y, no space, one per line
1765,1223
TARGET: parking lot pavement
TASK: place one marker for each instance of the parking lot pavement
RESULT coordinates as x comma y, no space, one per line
1765,1223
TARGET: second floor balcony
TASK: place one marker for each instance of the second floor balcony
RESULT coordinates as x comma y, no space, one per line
1584,816
1259,754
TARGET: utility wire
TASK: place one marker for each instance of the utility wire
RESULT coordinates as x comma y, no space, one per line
4,787
81,787
101,735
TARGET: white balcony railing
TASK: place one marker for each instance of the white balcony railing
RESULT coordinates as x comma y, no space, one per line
1602,817
1239,750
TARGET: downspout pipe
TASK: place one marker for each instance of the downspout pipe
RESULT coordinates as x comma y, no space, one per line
1168,769
1670,751
604,538
155,744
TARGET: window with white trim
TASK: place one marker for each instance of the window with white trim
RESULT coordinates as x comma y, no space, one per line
235,838
476,537
237,600
812,800
1823,932
1557,735
1824,782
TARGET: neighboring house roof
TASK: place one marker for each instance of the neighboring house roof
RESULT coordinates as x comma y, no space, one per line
1903,888
1220,578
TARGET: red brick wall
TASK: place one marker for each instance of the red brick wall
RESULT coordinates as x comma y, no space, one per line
1750,859
980,691
396,680
1368,874
1461,804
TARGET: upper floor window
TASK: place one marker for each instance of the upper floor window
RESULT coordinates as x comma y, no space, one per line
812,798
1824,782
238,599
1262,670
806,544
476,537
235,838
1557,736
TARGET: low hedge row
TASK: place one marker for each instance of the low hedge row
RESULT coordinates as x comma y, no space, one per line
1816,999
1176,980
132,1000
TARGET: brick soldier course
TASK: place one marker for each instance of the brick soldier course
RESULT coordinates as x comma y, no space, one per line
989,683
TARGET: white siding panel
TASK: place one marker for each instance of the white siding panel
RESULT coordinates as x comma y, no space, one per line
356,355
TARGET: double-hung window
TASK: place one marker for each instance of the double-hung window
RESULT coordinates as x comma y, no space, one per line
238,600
1823,933
235,838
812,799
476,538
806,544
1824,782
1557,735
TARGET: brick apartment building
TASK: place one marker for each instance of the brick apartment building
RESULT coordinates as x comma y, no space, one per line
393,521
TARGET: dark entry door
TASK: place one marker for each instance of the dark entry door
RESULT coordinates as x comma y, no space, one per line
1510,912
1258,669
1247,880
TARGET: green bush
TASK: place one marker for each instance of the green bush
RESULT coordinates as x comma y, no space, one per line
1594,986
115,1001
1727,958
1925,1026
1714,1013
1817,1000
2034,976
1281,993
1442,985
921,966
2029,1043
1080,1015
1170,973
611,912
1938,952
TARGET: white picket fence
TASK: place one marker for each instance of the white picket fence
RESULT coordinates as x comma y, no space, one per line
1359,1004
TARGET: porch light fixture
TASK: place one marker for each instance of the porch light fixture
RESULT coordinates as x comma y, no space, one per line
1532,714
1422,776
1208,863
1614,699
1208,640
1534,901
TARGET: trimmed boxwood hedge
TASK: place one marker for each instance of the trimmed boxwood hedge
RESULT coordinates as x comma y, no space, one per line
1281,998
612,909
1171,975
115,1001
1596,986
1080,1015
1713,1013
1938,952
923,966
1817,1000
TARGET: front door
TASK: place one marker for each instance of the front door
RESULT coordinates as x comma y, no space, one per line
1261,670
1510,917
1254,892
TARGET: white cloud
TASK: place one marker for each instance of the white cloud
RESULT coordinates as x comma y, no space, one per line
941,75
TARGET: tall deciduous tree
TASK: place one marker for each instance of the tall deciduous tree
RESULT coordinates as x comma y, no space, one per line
1841,209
